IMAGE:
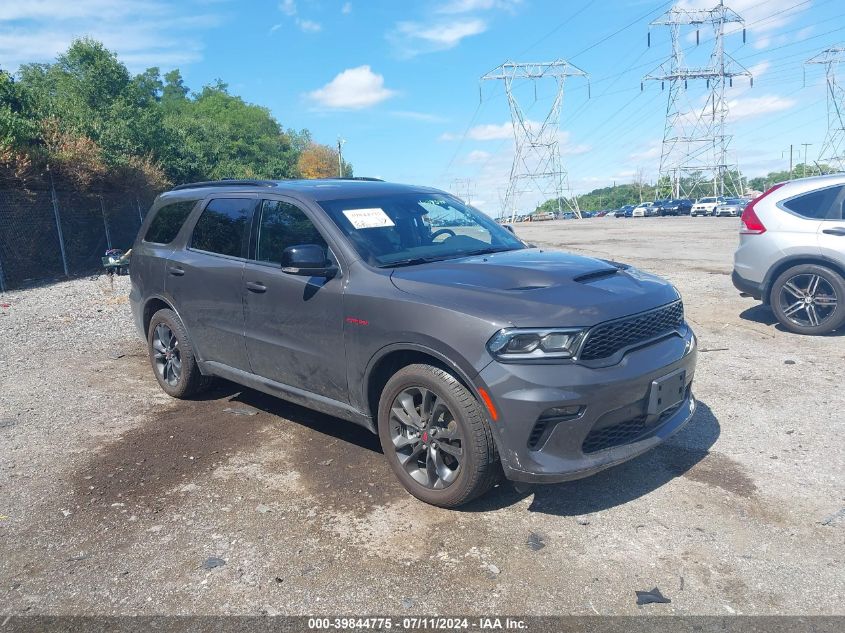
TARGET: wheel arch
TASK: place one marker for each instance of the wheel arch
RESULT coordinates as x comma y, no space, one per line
388,360
154,304
796,260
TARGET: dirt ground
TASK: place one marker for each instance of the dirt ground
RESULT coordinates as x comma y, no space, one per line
115,499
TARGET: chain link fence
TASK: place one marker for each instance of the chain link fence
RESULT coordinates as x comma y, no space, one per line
46,234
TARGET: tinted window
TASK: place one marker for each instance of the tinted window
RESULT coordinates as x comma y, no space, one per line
168,221
222,226
818,205
282,225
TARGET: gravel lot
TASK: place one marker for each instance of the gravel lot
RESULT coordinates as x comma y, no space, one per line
116,499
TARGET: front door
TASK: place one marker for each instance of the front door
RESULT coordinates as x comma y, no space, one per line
293,324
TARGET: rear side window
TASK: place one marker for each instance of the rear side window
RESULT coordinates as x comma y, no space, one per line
167,222
283,225
824,204
223,226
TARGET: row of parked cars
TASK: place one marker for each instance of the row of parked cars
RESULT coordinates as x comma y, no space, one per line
717,206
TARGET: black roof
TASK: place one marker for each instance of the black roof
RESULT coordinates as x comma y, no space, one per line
316,189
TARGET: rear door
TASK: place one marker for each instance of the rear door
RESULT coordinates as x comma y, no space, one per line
293,324
809,215
205,279
831,230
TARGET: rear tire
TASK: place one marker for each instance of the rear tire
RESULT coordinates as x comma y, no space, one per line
435,437
172,356
809,299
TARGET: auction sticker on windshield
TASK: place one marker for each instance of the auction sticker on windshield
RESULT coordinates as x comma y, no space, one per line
368,218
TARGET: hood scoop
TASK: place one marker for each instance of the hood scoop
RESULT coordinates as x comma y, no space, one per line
595,275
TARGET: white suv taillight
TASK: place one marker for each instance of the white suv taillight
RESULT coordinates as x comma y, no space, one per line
750,223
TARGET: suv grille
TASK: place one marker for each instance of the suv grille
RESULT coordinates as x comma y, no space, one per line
608,338
625,432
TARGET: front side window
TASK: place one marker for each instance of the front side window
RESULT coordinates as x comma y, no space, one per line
168,220
823,204
223,226
282,225
413,228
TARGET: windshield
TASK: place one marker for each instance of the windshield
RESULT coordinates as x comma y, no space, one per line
415,228
706,200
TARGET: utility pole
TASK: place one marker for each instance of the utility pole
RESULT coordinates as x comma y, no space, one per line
790,159
806,145
695,143
536,158
832,151
340,142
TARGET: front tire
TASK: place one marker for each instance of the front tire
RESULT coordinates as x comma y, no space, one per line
435,437
808,299
172,356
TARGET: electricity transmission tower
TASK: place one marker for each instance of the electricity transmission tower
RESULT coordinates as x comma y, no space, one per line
463,188
832,152
695,142
536,160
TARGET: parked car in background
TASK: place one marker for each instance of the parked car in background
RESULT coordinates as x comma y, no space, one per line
568,215
340,295
791,253
644,210
625,212
730,208
706,206
678,206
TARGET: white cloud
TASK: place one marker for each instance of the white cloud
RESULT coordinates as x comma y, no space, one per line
309,26
275,27
288,7
346,9
142,32
415,38
753,107
467,6
500,131
759,69
478,156
353,89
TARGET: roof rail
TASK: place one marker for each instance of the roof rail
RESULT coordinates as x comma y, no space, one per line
225,182
365,178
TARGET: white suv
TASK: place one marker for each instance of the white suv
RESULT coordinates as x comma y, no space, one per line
644,210
791,253
706,206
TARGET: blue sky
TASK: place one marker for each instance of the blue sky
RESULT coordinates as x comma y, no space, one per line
399,80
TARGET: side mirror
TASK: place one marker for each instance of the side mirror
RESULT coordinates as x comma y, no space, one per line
508,227
308,260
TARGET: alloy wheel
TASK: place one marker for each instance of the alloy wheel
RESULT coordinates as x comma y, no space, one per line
166,354
808,300
426,437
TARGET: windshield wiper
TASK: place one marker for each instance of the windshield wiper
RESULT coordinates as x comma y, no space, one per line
486,251
413,261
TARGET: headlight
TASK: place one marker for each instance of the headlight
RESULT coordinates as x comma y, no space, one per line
535,343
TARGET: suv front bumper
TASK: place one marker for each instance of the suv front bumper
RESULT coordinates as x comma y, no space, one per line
613,424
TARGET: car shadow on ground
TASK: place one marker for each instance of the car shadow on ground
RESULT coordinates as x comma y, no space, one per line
763,315
322,423
620,484
609,488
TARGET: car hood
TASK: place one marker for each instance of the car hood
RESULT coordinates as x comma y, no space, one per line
536,288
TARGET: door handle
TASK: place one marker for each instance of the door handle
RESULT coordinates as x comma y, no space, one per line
176,271
256,286
837,231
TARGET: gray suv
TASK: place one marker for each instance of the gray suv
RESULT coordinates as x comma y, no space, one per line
791,253
403,310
